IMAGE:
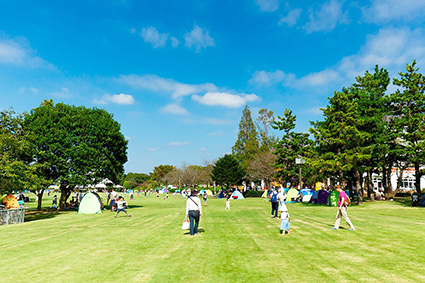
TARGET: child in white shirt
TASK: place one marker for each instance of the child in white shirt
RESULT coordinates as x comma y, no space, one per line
228,204
284,220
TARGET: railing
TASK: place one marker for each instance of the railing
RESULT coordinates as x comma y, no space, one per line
12,216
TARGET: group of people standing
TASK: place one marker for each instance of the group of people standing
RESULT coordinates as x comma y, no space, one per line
277,200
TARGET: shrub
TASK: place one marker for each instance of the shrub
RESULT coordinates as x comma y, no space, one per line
253,194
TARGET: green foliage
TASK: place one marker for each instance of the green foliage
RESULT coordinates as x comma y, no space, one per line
408,106
160,171
133,180
291,146
75,145
254,194
227,171
247,145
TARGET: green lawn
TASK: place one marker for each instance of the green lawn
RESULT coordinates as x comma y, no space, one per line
240,245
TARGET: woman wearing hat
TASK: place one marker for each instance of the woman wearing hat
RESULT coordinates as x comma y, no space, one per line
193,211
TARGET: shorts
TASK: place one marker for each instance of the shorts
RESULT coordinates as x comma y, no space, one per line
121,209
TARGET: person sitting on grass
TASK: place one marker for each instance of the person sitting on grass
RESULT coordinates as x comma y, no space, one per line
120,206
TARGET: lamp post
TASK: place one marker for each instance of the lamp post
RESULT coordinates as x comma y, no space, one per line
300,161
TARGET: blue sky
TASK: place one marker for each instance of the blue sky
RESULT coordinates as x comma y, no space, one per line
177,74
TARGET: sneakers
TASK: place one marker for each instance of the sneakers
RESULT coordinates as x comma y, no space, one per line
334,229
352,229
115,216
129,216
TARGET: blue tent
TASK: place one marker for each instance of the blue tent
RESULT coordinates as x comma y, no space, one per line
305,194
237,195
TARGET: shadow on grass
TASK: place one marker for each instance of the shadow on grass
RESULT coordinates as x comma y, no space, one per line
199,231
34,215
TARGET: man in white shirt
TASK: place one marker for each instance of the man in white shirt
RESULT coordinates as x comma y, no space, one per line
193,211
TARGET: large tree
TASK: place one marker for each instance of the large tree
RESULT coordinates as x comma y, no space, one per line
408,105
247,145
227,171
75,145
161,170
291,146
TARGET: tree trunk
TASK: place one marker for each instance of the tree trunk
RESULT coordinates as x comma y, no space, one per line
65,193
359,188
370,186
40,198
417,178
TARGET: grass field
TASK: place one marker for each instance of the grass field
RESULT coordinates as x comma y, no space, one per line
240,245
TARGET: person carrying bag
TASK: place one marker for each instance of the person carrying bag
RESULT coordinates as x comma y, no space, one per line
193,211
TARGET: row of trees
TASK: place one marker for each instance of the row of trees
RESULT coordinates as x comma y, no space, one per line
365,130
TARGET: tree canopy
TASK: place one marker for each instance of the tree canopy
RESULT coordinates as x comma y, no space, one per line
75,145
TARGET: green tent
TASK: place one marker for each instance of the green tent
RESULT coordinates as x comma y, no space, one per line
90,204
333,198
291,195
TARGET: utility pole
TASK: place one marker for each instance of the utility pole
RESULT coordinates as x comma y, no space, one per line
300,161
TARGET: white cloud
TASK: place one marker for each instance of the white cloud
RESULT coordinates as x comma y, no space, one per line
62,93
198,38
267,78
268,5
116,99
391,48
133,30
154,149
292,17
178,143
382,11
326,18
175,42
151,35
168,86
225,99
175,109
30,89
19,53
216,134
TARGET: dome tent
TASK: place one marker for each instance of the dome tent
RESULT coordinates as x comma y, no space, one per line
320,197
291,195
305,194
90,204
237,195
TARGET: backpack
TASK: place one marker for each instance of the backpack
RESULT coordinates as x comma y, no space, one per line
347,201
274,197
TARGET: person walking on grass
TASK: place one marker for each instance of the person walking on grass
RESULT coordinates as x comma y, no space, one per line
193,211
284,220
342,209
120,206
275,203
204,197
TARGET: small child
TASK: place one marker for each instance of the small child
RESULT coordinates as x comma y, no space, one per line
228,203
120,206
284,220
205,198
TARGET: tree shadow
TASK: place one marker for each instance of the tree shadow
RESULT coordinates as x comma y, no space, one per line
34,215
406,202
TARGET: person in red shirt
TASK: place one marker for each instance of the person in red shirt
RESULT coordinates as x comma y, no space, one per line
342,210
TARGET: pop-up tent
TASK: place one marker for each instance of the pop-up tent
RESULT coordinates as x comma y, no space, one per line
90,204
10,201
291,195
237,195
209,193
305,194
320,197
